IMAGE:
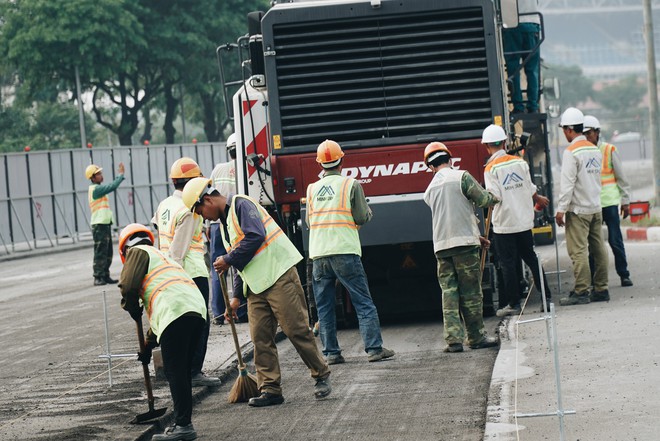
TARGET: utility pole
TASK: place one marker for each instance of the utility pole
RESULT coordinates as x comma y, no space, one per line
81,114
653,95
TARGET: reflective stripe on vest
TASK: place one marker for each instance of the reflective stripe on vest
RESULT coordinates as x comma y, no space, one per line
331,224
100,208
168,216
167,291
609,193
273,258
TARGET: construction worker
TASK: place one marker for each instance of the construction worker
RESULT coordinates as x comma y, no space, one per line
521,44
224,180
579,202
336,207
456,243
176,311
614,191
266,262
102,220
507,177
180,235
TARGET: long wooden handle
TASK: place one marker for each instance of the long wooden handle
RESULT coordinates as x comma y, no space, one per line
145,367
230,317
486,232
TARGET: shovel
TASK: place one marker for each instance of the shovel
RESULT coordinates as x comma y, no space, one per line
152,413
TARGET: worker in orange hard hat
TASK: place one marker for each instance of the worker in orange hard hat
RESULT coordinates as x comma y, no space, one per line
102,220
452,195
181,236
336,207
175,308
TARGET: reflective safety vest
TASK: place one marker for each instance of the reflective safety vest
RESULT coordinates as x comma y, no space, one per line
168,216
275,256
167,291
101,212
332,229
609,193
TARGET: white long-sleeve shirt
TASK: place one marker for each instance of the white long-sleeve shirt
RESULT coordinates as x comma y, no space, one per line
580,178
507,177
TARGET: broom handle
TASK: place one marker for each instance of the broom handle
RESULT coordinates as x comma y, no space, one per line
486,232
230,317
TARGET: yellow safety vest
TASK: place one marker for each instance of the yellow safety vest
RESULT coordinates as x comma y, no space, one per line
275,256
609,193
101,212
167,291
168,216
332,227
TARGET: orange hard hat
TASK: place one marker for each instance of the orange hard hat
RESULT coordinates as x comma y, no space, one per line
433,150
185,168
328,154
130,232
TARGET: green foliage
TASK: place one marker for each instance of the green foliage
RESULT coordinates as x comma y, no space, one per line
574,86
623,97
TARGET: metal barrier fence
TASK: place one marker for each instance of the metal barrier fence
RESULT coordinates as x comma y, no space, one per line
43,194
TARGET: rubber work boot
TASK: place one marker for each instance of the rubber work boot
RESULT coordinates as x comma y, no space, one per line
625,281
335,359
381,355
600,296
98,281
177,433
487,342
322,387
201,379
453,347
575,299
508,310
110,281
266,399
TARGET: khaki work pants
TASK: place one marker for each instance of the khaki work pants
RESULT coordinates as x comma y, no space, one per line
584,236
282,303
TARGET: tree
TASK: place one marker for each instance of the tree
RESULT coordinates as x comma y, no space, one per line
623,97
574,87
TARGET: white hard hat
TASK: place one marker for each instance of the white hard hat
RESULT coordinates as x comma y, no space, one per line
493,133
571,117
591,122
231,142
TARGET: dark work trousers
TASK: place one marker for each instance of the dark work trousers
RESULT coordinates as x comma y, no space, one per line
510,249
102,235
611,219
177,346
200,352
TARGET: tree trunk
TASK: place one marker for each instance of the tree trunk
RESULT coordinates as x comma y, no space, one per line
146,135
171,104
208,112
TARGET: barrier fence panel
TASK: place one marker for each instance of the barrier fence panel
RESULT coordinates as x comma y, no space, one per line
44,194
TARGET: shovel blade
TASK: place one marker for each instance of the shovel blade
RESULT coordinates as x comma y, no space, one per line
148,416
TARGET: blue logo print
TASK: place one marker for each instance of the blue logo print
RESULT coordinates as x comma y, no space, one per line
593,163
512,178
326,191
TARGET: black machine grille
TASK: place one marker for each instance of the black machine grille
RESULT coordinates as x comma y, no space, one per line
382,80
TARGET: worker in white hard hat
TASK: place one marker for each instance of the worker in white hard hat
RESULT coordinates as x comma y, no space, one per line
102,220
224,180
615,190
578,208
336,208
507,177
181,236
265,260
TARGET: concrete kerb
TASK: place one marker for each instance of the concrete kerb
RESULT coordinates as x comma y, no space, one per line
226,375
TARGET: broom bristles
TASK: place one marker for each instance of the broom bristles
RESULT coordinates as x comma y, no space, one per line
244,388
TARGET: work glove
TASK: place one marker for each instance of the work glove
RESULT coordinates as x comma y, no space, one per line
145,355
136,314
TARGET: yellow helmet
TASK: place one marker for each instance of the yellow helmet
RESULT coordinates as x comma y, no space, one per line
194,190
127,233
185,168
328,154
91,170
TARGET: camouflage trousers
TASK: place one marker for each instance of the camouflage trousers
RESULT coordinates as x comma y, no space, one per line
102,250
460,279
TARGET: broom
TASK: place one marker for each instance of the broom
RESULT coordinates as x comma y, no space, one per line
246,383
486,232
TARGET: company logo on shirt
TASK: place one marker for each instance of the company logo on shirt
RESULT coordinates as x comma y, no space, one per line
593,165
325,193
512,181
